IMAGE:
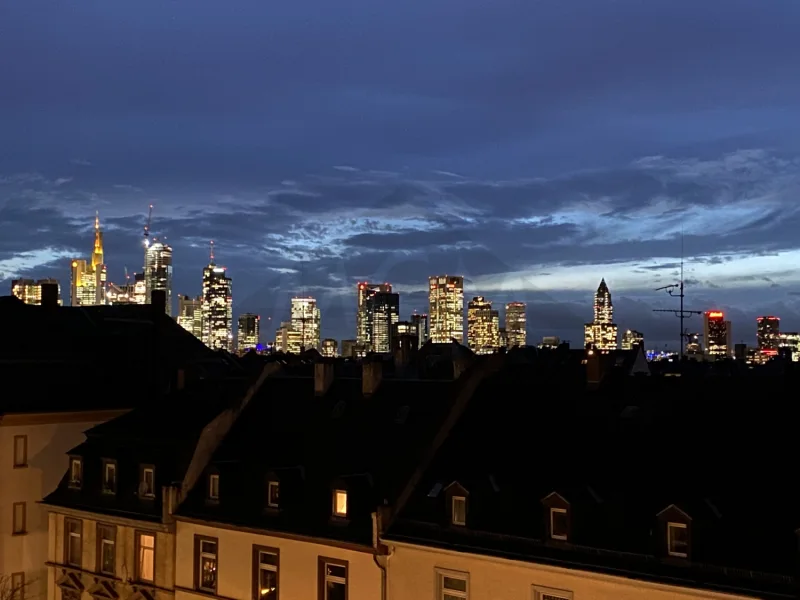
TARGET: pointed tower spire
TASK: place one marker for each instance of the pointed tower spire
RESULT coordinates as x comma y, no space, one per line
211,252
97,254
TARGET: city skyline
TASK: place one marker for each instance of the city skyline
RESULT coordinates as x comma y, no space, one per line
512,155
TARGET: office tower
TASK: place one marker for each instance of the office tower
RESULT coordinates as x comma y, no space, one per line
349,348
217,307
420,321
483,326
790,342
88,277
601,333
330,348
768,334
446,308
516,324
158,271
632,338
717,334
248,333
306,322
30,290
190,315
383,311
283,338
364,291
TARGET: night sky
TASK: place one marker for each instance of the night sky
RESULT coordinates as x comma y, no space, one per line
533,146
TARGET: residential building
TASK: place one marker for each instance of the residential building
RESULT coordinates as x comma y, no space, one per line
446,308
30,290
516,324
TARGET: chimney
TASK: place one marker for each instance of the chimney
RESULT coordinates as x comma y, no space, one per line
323,377
371,376
158,299
50,295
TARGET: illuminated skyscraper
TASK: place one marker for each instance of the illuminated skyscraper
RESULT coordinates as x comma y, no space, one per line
632,338
602,332
88,277
287,339
190,315
446,308
248,333
516,325
420,321
768,334
717,334
790,341
30,291
483,326
217,307
364,291
330,348
306,322
383,311
158,271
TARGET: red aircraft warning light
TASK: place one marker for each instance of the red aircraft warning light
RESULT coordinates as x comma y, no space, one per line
715,314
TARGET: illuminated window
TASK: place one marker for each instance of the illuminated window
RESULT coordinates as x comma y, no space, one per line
452,585
273,494
213,486
106,549
109,477
340,503
75,472
20,451
206,563
147,484
558,523
677,540
73,542
333,579
146,557
459,508
265,577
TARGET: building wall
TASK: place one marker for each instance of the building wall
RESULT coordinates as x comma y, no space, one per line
297,571
412,575
125,554
49,438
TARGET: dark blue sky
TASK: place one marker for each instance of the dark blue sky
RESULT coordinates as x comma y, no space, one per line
532,146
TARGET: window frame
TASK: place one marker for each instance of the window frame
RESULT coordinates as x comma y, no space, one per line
322,575
212,478
19,587
454,499
143,469
108,462
68,537
137,567
21,462
541,592
198,563
441,574
23,529
562,511
336,492
75,483
276,485
257,550
677,525
100,541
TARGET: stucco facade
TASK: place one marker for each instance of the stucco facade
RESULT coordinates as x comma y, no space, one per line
415,573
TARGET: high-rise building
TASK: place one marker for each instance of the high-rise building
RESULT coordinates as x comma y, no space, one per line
306,322
30,290
632,338
516,325
88,277
717,334
790,341
330,348
601,333
248,333
768,334
446,308
483,326
420,321
383,311
364,291
190,315
217,307
158,271
349,348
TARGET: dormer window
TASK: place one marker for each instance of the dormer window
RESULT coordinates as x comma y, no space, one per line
213,487
273,495
109,477
340,503
75,472
559,526
147,482
677,540
459,510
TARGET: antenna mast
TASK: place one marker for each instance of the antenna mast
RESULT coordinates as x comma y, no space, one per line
211,251
681,313
147,226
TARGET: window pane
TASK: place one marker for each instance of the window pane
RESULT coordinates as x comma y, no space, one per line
459,510
268,584
207,547
108,556
274,493
559,523
208,572
146,557
267,558
335,591
447,596
74,550
336,571
74,527
454,584
341,502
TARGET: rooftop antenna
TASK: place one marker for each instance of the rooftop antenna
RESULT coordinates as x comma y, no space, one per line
147,226
211,251
681,313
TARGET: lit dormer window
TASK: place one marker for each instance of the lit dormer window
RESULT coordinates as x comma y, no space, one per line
677,539
75,472
273,494
558,523
109,477
213,487
340,503
459,510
